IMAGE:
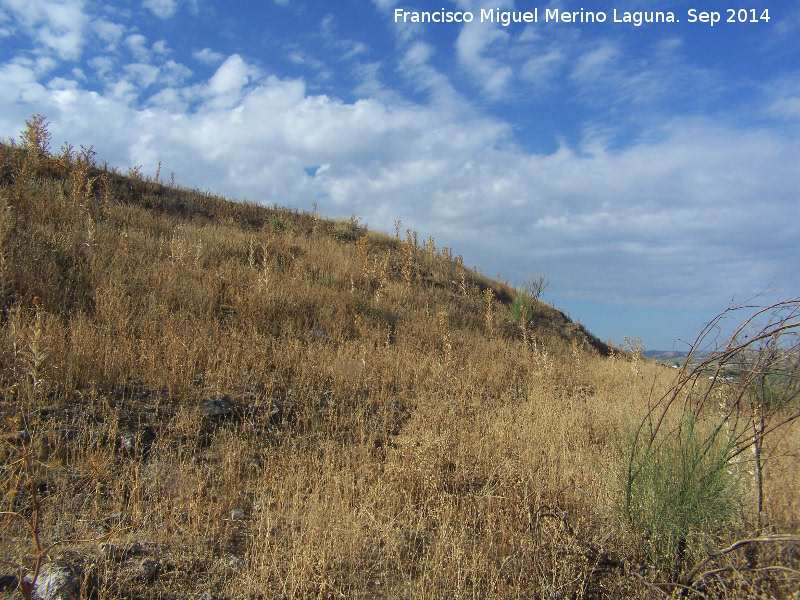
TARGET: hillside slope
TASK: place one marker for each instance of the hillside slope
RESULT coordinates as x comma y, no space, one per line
214,399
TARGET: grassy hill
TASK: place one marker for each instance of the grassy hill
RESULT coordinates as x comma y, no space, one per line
204,398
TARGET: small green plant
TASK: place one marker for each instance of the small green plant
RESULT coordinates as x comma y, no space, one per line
522,308
681,490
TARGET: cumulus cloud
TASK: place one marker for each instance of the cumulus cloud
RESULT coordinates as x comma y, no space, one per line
227,84
163,9
108,32
56,25
137,45
208,56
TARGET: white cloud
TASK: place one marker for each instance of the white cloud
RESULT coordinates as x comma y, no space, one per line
541,70
474,45
230,79
102,65
160,47
57,25
788,107
301,58
328,24
208,56
783,98
137,44
354,49
163,9
108,32
145,75
20,80
415,66
385,5
596,63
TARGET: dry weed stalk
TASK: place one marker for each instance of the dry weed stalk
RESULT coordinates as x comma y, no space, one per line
488,295
363,252
23,471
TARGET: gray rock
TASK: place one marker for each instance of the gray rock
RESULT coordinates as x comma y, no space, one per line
127,442
109,551
237,514
147,569
216,407
281,411
56,581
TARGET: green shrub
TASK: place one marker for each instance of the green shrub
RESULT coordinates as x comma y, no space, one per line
680,488
522,308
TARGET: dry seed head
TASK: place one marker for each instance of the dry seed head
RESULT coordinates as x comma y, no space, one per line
488,295
36,138
363,252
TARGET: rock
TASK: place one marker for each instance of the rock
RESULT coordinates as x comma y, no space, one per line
319,334
127,442
217,407
20,437
281,411
138,442
56,581
237,514
109,551
147,569
67,435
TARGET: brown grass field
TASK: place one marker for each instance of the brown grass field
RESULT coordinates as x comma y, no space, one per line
203,398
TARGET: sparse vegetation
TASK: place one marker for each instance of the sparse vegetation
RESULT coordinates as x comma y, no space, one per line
216,399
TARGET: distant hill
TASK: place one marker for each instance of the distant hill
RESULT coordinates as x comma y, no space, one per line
668,357
665,354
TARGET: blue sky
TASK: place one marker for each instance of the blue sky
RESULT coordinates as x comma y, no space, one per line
651,172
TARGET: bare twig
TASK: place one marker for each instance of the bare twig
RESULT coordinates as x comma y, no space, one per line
770,539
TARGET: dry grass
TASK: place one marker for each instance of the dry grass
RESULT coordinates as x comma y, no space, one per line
391,433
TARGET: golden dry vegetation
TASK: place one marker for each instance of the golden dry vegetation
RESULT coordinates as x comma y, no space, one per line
212,399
